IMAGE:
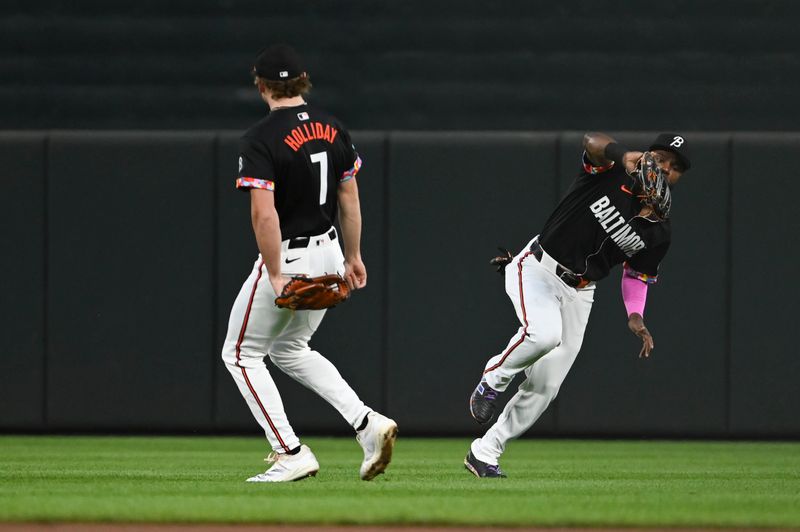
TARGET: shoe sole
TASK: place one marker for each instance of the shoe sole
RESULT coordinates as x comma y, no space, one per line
307,475
312,473
476,417
387,446
474,471
471,469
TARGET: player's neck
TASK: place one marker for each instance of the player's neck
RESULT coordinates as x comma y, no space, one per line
285,102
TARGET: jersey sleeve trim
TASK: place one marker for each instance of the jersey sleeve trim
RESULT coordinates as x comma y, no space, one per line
643,277
350,174
252,182
590,168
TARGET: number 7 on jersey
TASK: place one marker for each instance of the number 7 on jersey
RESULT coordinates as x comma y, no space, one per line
322,158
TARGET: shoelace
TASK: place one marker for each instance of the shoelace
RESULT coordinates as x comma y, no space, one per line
273,457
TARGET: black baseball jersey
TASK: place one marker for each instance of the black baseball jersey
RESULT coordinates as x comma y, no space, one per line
301,154
597,225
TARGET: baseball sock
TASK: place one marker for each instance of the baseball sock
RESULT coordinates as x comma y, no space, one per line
294,451
363,424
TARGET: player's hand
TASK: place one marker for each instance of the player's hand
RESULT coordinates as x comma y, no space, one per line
278,282
355,273
630,159
636,325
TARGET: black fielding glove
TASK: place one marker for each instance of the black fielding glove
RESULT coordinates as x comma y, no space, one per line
501,261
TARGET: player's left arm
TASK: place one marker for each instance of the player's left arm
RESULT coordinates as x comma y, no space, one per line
637,275
257,175
267,229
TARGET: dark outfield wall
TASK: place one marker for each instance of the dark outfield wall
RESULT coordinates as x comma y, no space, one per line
410,65
123,252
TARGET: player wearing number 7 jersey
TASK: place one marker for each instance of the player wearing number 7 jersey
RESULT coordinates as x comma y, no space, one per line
299,167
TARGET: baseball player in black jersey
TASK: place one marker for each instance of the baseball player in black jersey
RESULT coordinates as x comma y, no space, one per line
299,167
615,212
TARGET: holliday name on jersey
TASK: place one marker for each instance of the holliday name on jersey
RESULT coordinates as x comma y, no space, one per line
311,131
614,224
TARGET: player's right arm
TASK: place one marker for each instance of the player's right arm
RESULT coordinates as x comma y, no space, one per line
355,273
602,150
267,228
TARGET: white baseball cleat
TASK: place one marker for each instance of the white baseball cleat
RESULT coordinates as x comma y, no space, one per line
288,467
377,440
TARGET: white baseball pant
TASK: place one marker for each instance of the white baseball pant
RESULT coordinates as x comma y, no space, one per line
257,328
553,318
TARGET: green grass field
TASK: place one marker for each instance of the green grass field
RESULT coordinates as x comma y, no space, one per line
551,482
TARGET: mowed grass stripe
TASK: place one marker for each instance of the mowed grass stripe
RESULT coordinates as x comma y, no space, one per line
551,483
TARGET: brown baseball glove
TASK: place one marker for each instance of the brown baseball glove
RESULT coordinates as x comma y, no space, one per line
652,186
313,293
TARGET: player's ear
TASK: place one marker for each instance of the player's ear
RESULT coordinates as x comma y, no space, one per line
260,85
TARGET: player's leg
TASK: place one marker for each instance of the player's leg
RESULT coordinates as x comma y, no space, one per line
253,325
541,385
537,296
291,353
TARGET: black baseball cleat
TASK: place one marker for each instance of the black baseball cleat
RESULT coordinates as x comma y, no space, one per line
482,469
481,403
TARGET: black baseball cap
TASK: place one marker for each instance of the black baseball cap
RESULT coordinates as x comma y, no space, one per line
676,144
278,62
